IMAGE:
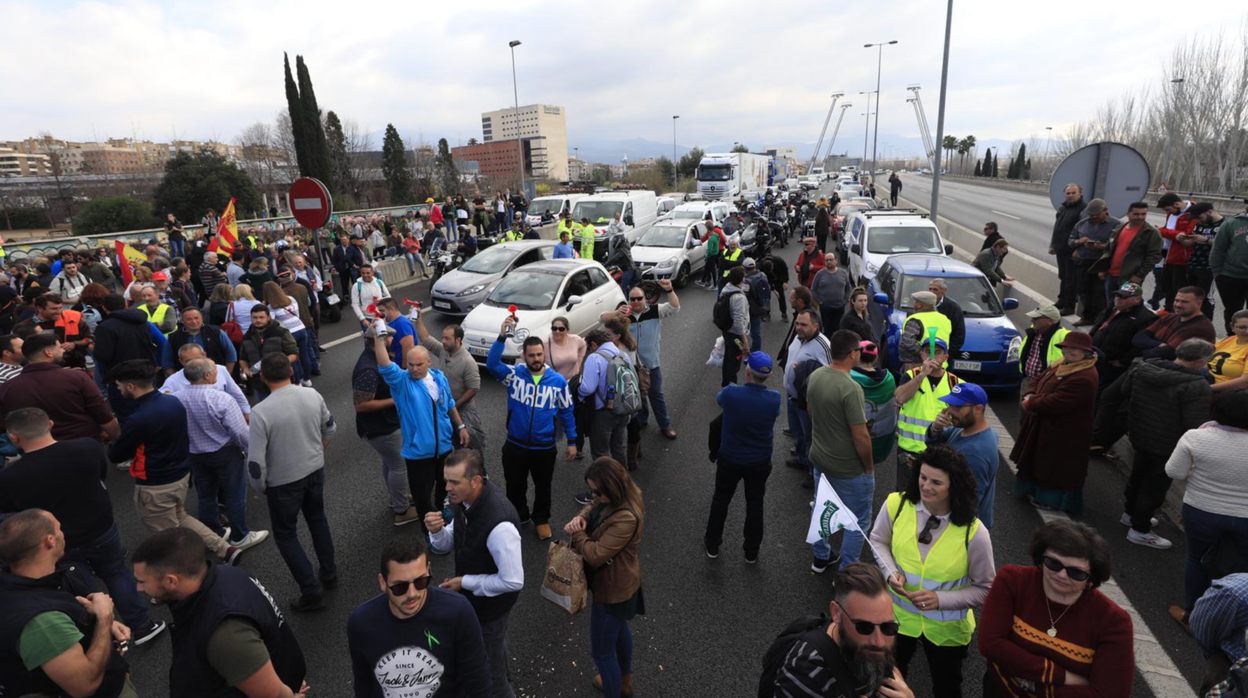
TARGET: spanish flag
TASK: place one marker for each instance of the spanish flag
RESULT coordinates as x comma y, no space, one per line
227,232
127,259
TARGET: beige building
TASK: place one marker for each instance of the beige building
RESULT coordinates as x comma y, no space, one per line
15,164
579,170
543,127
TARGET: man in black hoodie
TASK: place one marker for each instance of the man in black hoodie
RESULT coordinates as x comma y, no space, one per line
123,335
1068,214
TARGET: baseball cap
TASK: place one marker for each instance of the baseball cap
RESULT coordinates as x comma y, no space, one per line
1129,289
160,276
1049,311
926,344
965,394
760,363
1199,208
749,263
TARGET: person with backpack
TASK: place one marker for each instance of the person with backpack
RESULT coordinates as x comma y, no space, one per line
365,292
878,387
610,379
536,397
758,294
848,656
715,244
731,314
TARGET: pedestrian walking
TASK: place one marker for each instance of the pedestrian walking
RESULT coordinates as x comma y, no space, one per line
732,318
377,421
894,188
264,337
462,374
286,463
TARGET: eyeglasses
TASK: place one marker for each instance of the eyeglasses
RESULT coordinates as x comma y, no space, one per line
888,628
1055,565
636,298
557,328
400,588
932,524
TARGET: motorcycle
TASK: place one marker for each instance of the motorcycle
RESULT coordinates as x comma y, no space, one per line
446,260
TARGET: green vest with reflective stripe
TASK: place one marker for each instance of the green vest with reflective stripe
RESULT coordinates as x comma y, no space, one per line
933,318
947,568
920,411
587,241
731,257
512,236
1051,356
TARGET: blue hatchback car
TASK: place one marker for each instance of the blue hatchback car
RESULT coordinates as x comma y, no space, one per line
989,354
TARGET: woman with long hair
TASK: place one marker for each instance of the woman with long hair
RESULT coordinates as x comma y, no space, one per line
286,311
244,301
856,317
91,304
258,273
938,561
620,326
607,533
219,303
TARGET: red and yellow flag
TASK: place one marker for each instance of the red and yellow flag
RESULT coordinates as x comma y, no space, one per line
127,259
227,232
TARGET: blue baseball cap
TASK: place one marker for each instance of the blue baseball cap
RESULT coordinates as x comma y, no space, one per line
965,394
760,363
927,343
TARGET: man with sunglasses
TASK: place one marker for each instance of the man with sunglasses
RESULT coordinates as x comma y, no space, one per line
421,637
853,655
646,322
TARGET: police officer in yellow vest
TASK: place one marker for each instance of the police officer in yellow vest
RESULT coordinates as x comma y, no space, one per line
588,232
1040,344
918,326
512,235
918,396
938,560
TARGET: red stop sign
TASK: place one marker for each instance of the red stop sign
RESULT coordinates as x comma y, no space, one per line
310,202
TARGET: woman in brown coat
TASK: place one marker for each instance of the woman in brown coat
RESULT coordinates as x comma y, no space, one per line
607,533
1052,447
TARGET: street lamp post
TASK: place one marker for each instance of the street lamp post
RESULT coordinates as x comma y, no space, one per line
675,171
940,117
866,127
1048,148
1165,168
879,63
515,91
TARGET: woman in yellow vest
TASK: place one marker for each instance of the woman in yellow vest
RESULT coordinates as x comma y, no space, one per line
939,564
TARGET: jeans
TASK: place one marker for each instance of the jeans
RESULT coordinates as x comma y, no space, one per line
655,400
494,634
1234,295
732,358
107,559
303,369
799,424
222,472
393,468
944,663
626,280
519,463
177,248
727,475
1112,283
1146,488
306,495
1202,529
855,493
452,229
611,646
428,487
756,333
608,435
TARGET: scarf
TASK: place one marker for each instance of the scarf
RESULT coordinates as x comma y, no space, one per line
1064,369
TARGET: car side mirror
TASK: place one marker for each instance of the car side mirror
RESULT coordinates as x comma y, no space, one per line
628,220
949,250
882,299
693,243
856,249
574,300
1011,303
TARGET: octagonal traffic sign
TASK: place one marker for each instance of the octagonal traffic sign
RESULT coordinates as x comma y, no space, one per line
310,202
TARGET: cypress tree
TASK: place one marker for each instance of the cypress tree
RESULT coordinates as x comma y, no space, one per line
986,171
394,166
296,120
977,172
995,166
1027,169
314,134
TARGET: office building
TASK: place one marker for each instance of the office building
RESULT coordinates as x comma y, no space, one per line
542,129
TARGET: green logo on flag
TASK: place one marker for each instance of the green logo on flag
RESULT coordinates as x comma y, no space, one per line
825,519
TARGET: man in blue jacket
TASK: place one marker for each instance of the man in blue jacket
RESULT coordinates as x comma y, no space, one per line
535,396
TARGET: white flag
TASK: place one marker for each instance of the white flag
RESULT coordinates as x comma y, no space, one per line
830,514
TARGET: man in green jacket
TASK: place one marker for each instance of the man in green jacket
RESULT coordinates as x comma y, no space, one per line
1133,249
1229,261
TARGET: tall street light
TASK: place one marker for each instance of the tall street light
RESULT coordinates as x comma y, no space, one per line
879,63
516,94
675,171
1165,168
866,127
940,114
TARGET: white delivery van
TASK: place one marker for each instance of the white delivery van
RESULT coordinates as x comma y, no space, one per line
638,211
557,204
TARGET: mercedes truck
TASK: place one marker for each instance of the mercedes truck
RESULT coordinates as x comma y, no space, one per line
728,175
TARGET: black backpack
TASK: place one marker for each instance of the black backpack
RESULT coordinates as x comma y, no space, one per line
779,649
722,312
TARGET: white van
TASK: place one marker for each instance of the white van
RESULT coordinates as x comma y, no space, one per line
558,204
638,210
874,236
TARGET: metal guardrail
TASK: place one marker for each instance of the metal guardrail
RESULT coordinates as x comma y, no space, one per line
1208,196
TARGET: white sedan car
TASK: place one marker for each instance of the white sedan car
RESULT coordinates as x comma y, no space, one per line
578,289
672,249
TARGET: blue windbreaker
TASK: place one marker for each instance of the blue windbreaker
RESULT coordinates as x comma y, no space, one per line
532,406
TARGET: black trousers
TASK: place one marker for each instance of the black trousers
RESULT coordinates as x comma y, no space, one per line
945,664
893,197
831,319
780,298
1146,488
425,480
727,475
1172,278
584,413
1202,279
519,464
732,357
1089,289
1234,295
1066,294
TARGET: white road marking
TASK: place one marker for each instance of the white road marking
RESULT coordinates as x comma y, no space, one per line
1007,215
1154,664
948,198
308,204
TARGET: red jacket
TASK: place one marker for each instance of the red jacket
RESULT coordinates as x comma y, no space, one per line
816,263
1179,253
435,214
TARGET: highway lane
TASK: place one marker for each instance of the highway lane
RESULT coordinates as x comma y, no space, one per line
709,621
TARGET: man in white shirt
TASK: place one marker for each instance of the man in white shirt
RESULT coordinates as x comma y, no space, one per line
616,226
178,382
366,291
490,540
69,283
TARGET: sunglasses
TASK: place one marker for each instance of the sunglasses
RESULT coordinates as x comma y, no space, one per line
400,588
1055,565
557,328
636,299
932,524
863,627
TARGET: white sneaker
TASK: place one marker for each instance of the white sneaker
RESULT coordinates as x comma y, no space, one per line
251,540
1150,540
124,466
1126,520
306,383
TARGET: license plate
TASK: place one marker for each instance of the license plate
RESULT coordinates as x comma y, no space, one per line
442,304
968,365
478,351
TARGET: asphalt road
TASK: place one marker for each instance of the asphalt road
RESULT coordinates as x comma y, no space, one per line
709,621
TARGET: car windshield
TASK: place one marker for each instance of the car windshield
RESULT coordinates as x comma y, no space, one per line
714,173
491,260
537,206
664,236
598,212
882,240
845,209
971,293
686,214
526,289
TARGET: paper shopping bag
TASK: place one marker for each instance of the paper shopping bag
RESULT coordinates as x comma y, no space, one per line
564,581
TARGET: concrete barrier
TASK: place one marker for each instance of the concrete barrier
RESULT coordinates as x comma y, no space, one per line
1226,205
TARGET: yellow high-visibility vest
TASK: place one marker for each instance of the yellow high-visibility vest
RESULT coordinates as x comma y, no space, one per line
946,568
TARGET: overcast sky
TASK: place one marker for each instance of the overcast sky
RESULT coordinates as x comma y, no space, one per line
734,70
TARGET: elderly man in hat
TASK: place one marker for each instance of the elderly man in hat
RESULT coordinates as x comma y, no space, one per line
919,325
1040,344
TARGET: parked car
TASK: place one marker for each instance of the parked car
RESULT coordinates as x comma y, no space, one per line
557,204
665,204
672,249
990,352
871,203
459,291
578,289
872,236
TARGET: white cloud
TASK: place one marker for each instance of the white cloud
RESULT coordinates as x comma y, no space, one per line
734,70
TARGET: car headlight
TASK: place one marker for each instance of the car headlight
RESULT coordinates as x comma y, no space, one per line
668,263
521,335
471,290
1015,351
